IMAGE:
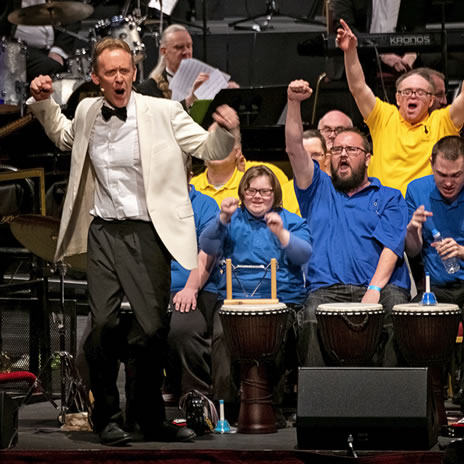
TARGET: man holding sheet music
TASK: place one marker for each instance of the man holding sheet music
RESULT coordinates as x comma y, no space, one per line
165,82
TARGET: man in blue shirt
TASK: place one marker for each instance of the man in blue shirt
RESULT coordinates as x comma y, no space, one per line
358,228
437,202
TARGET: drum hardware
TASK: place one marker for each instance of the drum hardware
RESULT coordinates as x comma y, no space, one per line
51,13
39,235
12,76
253,331
126,28
426,337
231,270
73,392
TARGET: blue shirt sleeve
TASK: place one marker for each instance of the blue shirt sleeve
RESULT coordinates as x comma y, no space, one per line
391,229
298,249
213,237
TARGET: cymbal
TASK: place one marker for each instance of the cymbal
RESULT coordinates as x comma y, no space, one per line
39,234
51,13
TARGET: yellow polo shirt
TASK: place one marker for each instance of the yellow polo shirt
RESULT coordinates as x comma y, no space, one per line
289,200
229,189
281,177
401,151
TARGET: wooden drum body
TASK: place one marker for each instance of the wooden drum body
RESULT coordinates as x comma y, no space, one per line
253,334
426,337
350,332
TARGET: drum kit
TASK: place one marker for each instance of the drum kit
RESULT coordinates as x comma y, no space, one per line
76,81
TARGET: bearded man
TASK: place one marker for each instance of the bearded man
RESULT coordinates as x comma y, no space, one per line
358,229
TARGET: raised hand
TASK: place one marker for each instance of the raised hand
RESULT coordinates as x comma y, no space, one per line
228,207
345,39
299,90
419,217
226,117
276,226
41,87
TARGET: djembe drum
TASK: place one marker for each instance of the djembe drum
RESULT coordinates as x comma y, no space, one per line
426,336
253,334
350,332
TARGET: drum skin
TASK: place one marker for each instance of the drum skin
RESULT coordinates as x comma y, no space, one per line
350,332
426,334
253,332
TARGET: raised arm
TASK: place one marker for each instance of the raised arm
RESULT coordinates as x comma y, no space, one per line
362,93
302,164
414,242
457,109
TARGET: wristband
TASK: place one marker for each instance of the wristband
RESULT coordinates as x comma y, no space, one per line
374,287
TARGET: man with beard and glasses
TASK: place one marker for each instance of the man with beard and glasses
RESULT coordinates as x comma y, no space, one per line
358,228
402,136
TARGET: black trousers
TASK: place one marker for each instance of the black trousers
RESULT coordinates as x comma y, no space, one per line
127,258
190,347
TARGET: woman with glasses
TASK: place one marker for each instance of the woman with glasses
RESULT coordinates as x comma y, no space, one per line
253,230
256,228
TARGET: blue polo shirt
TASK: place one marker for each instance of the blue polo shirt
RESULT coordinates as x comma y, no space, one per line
448,219
349,233
205,209
247,240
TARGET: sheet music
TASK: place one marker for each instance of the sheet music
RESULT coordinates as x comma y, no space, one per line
182,82
168,5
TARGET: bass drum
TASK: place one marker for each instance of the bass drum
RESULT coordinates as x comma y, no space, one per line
85,90
63,87
69,90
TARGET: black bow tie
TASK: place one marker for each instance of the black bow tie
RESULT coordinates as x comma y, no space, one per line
120,113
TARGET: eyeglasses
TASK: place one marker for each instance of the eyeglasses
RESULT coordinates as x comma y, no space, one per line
420,93
350,151
439,95
329,130
265,193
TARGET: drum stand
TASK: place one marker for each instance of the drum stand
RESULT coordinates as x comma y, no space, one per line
73,391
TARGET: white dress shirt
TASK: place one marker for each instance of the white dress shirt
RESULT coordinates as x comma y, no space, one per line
384,15
42,37
115,155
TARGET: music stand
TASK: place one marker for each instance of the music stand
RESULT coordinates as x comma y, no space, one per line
256,106
272,9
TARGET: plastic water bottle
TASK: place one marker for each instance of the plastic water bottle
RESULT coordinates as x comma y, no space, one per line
451,264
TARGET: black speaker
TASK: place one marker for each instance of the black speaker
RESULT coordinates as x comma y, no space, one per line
380,408
8,421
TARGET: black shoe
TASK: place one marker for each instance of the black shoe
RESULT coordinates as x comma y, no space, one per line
170,432
113,435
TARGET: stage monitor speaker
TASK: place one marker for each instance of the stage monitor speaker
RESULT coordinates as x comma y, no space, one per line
8,421
381,408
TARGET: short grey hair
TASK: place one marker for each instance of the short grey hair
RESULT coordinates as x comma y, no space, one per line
161,65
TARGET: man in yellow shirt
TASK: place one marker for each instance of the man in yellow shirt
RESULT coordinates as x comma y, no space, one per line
315,146
402,137
220,179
